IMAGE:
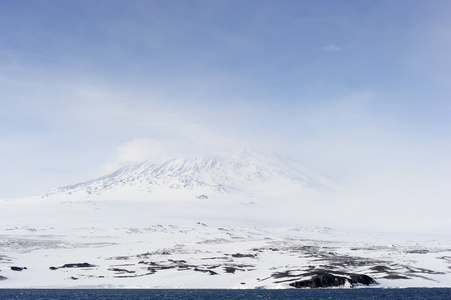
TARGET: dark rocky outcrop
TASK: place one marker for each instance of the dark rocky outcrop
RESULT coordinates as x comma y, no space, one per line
206,271
3,278
75,265
325,280
177,261
362,279
119,270
239,255
321,281
381,269
396,276
78,265
18,268
230,270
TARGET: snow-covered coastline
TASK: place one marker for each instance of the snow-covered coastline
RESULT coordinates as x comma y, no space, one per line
213,257
216,222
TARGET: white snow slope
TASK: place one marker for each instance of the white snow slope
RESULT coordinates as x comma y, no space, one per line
143,226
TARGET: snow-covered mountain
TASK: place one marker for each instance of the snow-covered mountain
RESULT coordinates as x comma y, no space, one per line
245,188
214,173
223,221
248,176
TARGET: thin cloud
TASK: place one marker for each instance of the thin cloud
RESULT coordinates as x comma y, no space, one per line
333,48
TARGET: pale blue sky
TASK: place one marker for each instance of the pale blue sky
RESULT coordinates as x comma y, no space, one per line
359,90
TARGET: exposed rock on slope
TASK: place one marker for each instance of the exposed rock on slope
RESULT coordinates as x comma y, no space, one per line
211,257
324,280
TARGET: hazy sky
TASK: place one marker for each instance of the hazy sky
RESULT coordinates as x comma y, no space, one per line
357,90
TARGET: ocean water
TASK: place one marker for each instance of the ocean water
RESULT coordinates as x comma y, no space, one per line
409,293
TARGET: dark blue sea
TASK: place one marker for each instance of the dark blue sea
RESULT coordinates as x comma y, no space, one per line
64,294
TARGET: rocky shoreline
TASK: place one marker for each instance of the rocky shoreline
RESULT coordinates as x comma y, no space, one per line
202,256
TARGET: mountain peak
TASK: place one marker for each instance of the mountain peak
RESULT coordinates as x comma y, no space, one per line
217,172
